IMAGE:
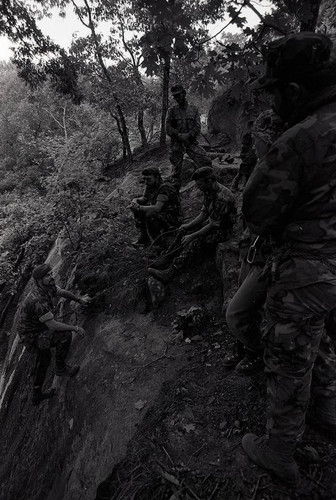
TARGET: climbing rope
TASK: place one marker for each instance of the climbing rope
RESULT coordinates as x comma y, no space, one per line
138,271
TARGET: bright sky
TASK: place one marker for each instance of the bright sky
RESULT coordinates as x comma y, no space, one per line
61,30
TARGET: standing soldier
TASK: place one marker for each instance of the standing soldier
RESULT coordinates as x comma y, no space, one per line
248,158
158,211
183,125
245,311
291,195
39,330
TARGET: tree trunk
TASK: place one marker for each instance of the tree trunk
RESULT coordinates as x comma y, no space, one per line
165,94
141,127
310,22
121,134
124,134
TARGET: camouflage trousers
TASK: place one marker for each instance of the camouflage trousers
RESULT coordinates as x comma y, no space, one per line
202,246
157,223
43,344
299,356
195,152
245,311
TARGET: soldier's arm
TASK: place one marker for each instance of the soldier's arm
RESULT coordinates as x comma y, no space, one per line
203,231
46,317
141,200
71,296
272,189
195,131
151,209
202,217
170,130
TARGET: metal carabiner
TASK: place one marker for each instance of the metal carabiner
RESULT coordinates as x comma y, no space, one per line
252,251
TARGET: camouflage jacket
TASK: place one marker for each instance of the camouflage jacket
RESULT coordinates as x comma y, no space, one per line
37,308
291,193
167,194
184,120
220,207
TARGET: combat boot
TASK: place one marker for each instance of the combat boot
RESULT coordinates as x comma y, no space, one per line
39,396
164,276
321,416
231,360
273,454
251,363
143,240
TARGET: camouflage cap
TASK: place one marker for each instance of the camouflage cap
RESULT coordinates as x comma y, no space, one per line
177,89
203,173
40,271
151,171
292,57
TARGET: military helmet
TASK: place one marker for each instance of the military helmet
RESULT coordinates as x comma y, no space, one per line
151,171
40,271
203,173
294,56
177,89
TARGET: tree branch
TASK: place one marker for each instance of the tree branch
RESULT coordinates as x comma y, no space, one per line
228,24
77,10
53,117
262,19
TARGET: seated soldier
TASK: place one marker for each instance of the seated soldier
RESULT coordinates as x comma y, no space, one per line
158,211
213,225
39,330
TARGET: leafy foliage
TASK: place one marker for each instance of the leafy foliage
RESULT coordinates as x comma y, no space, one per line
52,152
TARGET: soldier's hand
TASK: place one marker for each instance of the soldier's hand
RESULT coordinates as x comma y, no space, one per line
187,239
81,331
134,206
85,301
183,228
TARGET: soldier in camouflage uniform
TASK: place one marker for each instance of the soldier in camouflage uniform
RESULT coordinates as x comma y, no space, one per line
291,195
158,211
248,158
183,126
214,224
245,311
39,331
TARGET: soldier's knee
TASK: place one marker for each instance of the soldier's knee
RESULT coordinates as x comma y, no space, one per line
231,317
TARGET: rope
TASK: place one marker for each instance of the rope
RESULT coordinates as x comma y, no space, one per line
135,273
289,252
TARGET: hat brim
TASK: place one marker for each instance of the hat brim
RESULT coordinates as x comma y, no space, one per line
263,83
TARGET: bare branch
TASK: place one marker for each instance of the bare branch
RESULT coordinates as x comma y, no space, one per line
79,14
54,118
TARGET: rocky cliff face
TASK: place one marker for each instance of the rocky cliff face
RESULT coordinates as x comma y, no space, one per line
229,113
65,447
